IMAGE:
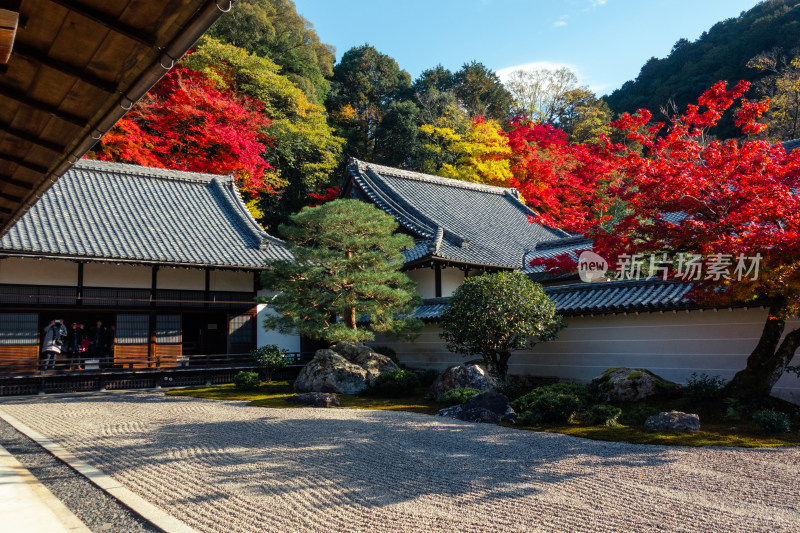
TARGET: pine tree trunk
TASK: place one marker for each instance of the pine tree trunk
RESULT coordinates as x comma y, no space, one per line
497,368
350,319
768,361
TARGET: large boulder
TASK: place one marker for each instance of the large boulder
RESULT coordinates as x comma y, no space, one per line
359,354
489,407
631,385
345,368
459,377
673,421
315,399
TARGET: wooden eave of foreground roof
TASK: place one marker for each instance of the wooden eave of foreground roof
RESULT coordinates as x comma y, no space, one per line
75,69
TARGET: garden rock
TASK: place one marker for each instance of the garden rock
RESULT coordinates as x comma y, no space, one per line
345,368
458,377
315,399
673,421
631,385
489,407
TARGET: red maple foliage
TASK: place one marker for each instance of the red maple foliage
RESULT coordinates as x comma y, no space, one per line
330,195
186,123
714,199
562,182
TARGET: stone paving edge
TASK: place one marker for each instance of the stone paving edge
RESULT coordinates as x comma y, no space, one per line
56,506
149,512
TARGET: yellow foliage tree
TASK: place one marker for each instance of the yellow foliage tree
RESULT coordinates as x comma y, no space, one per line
782,88
467,150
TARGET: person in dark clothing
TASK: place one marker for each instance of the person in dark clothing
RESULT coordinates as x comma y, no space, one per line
98,336
110,340
75,345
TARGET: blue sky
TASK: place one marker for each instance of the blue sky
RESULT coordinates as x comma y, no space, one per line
605,41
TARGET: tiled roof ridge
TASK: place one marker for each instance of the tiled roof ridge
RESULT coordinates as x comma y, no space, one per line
229,193
511,193
558,243
609,285
430,178
149,172
432,229
415,222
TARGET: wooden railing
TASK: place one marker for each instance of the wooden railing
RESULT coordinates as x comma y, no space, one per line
32,365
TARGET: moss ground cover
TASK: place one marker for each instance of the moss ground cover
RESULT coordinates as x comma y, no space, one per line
718,428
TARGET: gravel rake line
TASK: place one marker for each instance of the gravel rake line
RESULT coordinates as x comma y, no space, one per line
223,466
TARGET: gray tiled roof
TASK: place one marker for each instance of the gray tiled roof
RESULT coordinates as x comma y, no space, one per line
791,145
431,310
551,249
599,298
620,296
114,211
452,219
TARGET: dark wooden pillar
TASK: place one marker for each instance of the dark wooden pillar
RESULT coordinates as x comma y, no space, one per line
438,280
207,290
151,345
79,293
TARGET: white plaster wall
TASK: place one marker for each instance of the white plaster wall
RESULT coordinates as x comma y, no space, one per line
426,281
451,279
231,280
117,275
22,271
290,343
187,279
673,345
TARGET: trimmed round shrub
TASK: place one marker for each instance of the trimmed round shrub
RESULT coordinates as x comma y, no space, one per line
457,396
524,403
551,404
269,358
246,381
394,383
772,421
603,415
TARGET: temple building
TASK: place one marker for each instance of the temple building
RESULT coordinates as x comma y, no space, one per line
463,229
166,262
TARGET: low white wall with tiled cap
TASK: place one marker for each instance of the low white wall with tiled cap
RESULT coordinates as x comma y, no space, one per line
673,345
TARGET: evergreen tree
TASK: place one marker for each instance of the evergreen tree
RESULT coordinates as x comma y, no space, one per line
346,270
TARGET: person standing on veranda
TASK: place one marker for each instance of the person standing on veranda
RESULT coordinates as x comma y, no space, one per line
52,342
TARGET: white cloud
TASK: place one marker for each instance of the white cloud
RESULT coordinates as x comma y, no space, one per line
598,89
598,3
559,23
503,73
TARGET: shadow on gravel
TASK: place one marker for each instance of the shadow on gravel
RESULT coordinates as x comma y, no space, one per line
375,460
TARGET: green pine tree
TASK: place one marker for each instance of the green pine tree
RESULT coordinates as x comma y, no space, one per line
346,269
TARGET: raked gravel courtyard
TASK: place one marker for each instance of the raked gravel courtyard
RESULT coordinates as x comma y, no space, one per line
222,466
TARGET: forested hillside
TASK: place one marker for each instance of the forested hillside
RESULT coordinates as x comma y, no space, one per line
262,97
721,53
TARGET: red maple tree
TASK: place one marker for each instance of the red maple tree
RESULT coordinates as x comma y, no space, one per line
564,183
186,123
688,196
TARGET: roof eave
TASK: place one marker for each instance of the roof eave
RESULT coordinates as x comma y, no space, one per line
90,135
